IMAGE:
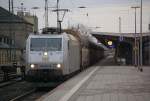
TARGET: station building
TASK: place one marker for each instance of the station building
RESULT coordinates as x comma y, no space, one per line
14,31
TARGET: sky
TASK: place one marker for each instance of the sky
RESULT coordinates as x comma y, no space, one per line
103,14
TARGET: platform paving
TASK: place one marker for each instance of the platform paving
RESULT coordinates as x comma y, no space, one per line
106,83
116,83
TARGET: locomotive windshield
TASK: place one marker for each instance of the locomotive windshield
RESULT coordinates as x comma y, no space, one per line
49,44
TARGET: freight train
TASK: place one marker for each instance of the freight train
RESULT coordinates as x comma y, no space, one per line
52,57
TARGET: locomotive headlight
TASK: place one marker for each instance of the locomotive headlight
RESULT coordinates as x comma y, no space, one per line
110,43
32,66
58,65
45,53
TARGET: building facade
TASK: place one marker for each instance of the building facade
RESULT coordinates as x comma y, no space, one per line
30,19
14,31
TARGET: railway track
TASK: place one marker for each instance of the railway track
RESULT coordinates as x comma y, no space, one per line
11,91
30,96
18,98
8,83
23,91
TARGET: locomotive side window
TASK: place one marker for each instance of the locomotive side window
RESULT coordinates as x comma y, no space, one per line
49,44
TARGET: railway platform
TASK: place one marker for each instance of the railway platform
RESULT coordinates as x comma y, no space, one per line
104,83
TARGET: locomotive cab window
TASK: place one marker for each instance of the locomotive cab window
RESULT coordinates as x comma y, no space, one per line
49,44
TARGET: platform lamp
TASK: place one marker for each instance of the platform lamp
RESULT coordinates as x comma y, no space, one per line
136,60
141,36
